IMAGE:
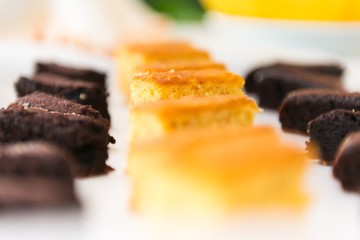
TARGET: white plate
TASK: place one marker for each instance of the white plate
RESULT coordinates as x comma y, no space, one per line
332,214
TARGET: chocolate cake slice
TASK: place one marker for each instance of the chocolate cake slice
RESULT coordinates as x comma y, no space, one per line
87,75
52,103
254,77
82,92
35,174
85,137
277,83
301,106
347,163
329,129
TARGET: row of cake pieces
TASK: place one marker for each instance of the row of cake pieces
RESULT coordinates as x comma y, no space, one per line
312,100
51,134
192,145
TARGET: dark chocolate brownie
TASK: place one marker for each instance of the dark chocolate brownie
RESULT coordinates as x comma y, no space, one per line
301,106
85,93
329,129
254,78
52,103
276,84
35,174
347,163
85,137
87,75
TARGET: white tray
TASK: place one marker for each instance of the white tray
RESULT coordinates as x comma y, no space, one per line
332,213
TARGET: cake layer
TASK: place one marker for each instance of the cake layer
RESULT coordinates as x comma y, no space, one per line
82,92
207,171
132,56
159,118
302,106
87,138
150,87
329,129
75,74
35,174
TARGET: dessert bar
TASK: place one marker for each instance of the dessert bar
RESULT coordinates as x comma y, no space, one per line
301,106
159,118
35,174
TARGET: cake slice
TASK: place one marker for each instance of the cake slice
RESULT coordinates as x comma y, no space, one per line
75,74
51,103
347,163
216,171
35,174
254,77
131,56
328,131
82,92
276,84
302,106
150,87
86,137
175,65
159,118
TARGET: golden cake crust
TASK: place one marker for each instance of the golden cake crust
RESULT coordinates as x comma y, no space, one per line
190,77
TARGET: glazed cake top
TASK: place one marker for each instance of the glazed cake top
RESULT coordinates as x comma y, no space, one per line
190,77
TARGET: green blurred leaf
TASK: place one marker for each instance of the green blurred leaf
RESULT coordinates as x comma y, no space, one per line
189,10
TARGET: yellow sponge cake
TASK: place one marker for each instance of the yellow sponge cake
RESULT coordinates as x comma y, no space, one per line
150,87
161,117
216,171
129,57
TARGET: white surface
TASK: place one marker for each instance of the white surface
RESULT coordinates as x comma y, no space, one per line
332,213
342,37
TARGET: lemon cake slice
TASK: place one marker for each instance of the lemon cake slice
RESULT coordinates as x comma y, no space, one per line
131,56
161,117
150,87
216,171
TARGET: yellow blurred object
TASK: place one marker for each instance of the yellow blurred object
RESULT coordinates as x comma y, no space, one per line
215,171
156,119
151,87
323,10
133,55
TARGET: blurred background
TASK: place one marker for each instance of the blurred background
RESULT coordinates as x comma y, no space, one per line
102,25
